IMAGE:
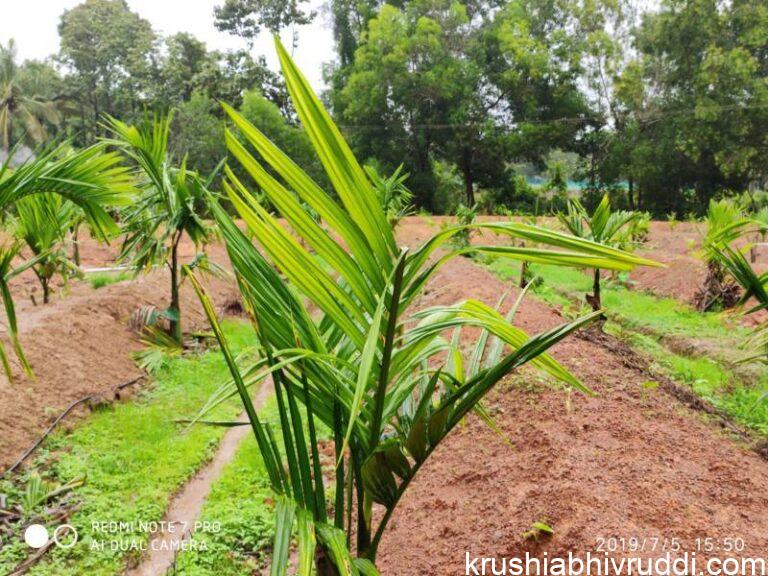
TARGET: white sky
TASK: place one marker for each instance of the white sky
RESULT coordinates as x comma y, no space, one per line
34,25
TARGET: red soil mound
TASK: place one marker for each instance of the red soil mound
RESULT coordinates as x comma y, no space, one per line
79,344
632,462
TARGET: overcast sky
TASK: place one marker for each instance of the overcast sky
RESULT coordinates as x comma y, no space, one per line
33,23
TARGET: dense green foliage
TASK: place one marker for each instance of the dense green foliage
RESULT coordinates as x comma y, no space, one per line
663,107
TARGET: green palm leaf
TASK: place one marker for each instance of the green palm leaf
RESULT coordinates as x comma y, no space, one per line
331,302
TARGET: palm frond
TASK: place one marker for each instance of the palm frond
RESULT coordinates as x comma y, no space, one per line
93,179
385,380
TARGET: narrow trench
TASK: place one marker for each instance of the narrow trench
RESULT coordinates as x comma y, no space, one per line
186,506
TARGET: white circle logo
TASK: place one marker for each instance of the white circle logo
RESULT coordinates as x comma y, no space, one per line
36,536
62,532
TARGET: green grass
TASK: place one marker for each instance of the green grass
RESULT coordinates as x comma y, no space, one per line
650,324
240,514
101,279
665,316
135,457
709,379
241,502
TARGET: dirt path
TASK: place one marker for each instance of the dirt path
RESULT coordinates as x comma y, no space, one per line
186,506
632,462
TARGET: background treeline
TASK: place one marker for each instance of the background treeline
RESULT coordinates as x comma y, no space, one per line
509,105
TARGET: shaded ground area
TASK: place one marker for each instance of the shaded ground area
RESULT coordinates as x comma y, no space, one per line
80,344
628,463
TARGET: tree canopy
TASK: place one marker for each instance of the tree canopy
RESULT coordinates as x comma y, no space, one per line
664,108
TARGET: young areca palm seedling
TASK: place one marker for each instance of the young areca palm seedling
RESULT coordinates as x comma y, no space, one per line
91,178
755,287
43,223
165,211
394,195
383,379
604,226
725,222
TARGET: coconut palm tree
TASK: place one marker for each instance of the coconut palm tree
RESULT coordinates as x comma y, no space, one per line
28,111
335,329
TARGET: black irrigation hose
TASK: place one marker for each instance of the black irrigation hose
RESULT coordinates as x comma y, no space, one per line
56,422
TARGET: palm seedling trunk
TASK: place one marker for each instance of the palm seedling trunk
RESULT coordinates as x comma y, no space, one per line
523,274
46,290
76,245
44,277
718,290
594,299
175,310
523,271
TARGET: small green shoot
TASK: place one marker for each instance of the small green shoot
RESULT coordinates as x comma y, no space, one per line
538,530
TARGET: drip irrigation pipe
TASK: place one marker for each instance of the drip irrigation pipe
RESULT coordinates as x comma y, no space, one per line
58,420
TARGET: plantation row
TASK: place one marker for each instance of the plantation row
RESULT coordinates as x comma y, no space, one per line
334,304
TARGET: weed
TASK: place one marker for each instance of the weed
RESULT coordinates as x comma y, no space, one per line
101,279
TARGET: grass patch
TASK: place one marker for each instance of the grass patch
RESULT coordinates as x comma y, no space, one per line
134,458
708,379
240,511
241,504
665,316
100,279
644,320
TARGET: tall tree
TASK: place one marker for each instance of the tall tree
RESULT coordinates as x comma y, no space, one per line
247,18
185,67
469,83
532,53
412,85
111,53
23,106
706,61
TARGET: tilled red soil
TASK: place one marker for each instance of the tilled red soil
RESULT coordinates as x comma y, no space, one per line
677,247
632,462
80,344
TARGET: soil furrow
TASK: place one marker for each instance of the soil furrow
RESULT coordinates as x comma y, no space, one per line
631,462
